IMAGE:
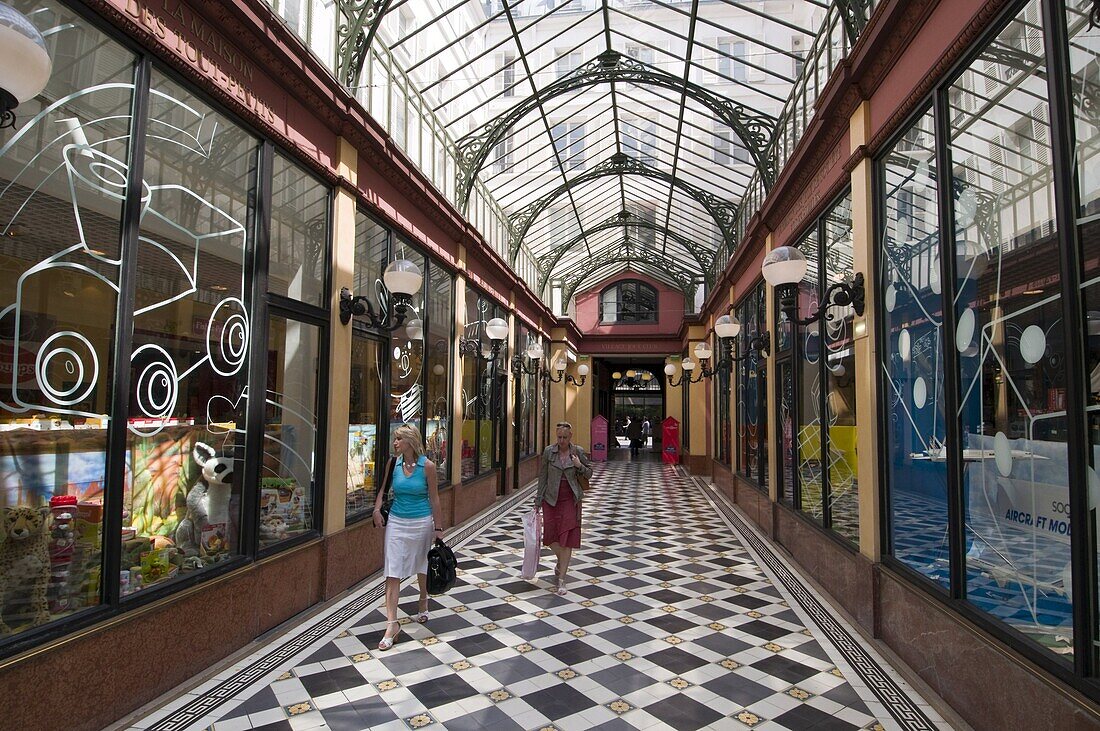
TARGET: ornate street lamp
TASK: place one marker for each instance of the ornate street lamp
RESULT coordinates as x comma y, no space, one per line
402,279
559,368
25,64
785,267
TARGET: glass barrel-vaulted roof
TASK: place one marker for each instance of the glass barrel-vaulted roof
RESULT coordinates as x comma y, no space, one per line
612,133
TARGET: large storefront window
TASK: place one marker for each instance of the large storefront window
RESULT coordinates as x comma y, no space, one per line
170,452
1084,65
752,393
62,183
364,408
1007,298
979,448
721,407
407,355
526,396
297,275
483,388
837,370
821,386
192,329
290,430
366,445
807,400
441,319
912,364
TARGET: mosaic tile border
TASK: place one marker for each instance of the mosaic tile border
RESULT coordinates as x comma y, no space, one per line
230,688
893,698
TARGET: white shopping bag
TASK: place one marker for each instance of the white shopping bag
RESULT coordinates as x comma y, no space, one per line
532,544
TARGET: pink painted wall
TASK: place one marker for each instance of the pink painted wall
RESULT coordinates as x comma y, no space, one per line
670,309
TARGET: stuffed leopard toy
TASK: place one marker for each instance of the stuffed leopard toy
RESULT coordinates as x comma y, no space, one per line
25,559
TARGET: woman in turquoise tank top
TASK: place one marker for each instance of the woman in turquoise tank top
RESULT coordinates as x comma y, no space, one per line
413,525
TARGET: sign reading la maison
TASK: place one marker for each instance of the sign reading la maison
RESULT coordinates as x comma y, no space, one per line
193,39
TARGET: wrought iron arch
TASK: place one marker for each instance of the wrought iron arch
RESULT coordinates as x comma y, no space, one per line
723,212
681,276
359,21
754,128
622,219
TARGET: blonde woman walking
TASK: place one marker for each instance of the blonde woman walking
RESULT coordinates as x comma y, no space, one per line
413,525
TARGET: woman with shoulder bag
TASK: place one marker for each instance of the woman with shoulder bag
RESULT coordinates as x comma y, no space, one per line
412,526
565,472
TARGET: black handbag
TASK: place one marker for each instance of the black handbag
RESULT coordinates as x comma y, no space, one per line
442,568
387,499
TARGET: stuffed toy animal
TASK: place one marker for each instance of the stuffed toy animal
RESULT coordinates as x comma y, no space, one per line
217,475
273,527
25,560
189,530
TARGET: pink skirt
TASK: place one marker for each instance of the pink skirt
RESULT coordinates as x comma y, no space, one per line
561,523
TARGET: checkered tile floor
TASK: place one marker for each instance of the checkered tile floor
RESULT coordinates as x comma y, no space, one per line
670,623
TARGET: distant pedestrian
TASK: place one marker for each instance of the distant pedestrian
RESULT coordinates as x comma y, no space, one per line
634,434
646,431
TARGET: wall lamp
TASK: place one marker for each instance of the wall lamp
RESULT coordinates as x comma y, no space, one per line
402,280
688,365
727,328
25,64
559,368
785,267
497,330
531,365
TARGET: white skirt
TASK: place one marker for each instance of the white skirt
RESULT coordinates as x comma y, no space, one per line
407,543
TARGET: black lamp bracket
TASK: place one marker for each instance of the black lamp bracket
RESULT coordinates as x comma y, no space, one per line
521,365
837,295
360,306
8,103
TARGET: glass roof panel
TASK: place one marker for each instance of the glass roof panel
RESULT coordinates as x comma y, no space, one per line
578,110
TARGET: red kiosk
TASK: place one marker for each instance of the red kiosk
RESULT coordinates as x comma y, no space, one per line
670,441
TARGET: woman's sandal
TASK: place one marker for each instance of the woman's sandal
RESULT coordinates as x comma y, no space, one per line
387,640
422,615
560,590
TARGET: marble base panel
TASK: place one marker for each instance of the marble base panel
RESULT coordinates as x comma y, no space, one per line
722,478
352,554
845,574
987,683
474,496
142,655
756,504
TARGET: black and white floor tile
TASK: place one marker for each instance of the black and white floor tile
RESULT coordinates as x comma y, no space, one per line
679,616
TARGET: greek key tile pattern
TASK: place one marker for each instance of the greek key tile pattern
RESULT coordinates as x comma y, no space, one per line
677,615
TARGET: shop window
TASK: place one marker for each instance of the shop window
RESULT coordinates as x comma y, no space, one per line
1010,339
192,329
59,245
406,400
299,235
1001,347
913,367
287,474
483,387
1084,64
817,387
721,407
440,308
807,348
752,393
628,301
366,455
837,371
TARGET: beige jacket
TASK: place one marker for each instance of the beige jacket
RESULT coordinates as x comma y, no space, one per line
550,475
